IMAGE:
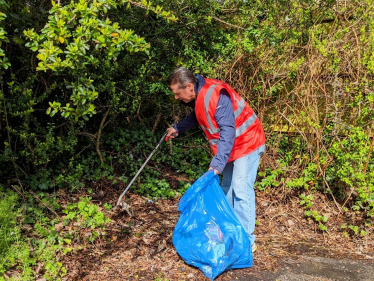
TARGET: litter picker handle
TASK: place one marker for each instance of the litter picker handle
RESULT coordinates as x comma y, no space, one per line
141,168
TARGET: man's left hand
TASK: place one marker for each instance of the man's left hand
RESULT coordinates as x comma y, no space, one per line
215,171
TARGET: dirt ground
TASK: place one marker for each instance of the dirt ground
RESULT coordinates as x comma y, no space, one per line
138,244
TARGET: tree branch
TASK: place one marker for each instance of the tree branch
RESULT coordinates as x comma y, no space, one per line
9,138
156,122
99,135
229,24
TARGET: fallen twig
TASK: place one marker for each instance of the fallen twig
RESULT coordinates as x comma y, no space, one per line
41,202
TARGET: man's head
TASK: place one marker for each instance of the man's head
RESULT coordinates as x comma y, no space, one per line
182,83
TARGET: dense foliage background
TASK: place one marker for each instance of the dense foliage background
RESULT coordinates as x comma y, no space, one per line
83,96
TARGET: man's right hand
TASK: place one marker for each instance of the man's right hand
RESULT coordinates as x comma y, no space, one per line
171,133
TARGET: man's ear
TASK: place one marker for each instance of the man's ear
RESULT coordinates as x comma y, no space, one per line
190,86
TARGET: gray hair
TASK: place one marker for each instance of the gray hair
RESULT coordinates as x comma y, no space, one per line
181,76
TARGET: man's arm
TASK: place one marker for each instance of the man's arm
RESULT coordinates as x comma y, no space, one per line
188,122
226,122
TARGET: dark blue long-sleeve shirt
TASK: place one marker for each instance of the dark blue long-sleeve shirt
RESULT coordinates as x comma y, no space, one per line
225,119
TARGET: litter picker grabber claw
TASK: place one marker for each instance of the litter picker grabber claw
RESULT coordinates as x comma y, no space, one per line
141,168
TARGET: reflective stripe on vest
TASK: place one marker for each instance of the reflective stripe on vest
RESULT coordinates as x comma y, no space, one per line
239,130
214,141
207,97
243,127
240,106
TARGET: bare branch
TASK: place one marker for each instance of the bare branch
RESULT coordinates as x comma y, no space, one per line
99,135
229,24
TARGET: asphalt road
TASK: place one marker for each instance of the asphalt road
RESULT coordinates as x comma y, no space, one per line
307,268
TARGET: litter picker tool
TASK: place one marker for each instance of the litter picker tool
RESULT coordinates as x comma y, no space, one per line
141,168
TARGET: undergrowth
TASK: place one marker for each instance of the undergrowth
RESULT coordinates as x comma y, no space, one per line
30,240
343,171
12,247
124,152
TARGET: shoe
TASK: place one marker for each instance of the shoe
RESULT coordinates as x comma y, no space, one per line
254,247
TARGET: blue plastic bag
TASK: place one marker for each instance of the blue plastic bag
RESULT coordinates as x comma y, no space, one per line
208,235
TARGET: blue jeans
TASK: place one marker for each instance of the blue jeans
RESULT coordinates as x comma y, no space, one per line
239,178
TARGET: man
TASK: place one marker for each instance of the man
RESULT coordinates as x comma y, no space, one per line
234,132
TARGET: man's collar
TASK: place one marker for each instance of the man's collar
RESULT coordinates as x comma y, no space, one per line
200,82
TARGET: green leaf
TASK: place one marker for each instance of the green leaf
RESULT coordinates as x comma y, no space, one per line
322,227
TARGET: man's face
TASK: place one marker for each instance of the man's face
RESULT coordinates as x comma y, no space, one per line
186,95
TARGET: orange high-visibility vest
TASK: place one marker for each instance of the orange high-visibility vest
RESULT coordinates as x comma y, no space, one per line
249,134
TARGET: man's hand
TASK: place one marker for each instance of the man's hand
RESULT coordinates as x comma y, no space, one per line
215,171
172,133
